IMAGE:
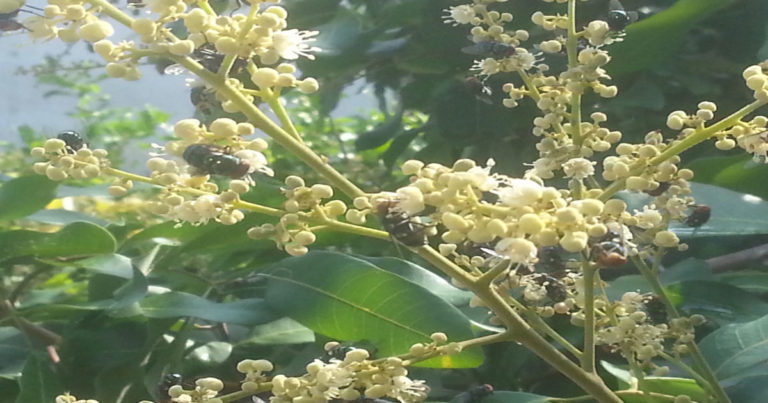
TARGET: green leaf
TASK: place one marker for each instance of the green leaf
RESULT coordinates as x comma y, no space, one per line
75,239
111,264
38,381
656,38
504,396
64,217
175,304
130,293
346,298
738,173
23,196
733,213
736,348
281,331
718,302
752,281
422,277
751,389
665,385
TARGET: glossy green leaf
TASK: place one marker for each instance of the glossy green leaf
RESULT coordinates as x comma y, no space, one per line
177,304
738,173
130,293
656,38
346,298
111,264
75,239
423,277
281,331
736,348
23,196
718,302
38,381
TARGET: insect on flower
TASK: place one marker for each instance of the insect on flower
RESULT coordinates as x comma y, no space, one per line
207,56
556,290
403,227
610,251
617,17
72,139
489,49
699,216
209,159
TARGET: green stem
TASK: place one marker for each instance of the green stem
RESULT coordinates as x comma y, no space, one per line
521,331
241,394
680,146
229,60
571,46
273,100
701,364
588,357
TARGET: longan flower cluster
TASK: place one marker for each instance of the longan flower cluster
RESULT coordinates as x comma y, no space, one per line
67,398
636,331
63,162
349,379
292,232
70,21
206,390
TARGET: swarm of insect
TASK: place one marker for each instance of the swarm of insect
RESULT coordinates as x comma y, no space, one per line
209,58
208,159
654,307
73,140
403,227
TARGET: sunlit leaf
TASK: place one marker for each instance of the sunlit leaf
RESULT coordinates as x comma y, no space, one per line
23,196
177,304
75,239
347,298
281,331
735,348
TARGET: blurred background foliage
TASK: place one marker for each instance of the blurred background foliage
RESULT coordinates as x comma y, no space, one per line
89,268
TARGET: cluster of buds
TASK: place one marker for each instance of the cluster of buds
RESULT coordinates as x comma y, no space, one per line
64,161
206,390
349,379
292,233
70,21
67,398
636,330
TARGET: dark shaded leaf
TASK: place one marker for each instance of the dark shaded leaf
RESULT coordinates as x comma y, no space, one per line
718,302
38,381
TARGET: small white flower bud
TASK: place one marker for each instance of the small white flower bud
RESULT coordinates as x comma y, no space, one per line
265,77
412,167
223,127
116,191
96,31
321,191
55,173
54,145
182,48
308,85
335,208
116,70
143,26
294,181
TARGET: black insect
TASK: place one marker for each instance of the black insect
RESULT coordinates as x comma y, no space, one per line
609,251
556,290
209,58
655,308
551,261
478,88
164,385
617,17
209,159
338,352
489,49
202,99
73,140
699,216
663,186
401,226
